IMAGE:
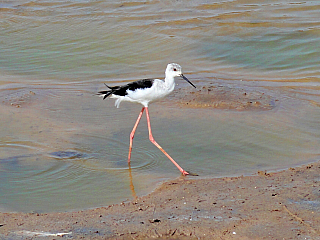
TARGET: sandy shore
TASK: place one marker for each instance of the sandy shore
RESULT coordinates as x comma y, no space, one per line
280,205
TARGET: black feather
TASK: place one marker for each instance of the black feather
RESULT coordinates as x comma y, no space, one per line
105,93
122,90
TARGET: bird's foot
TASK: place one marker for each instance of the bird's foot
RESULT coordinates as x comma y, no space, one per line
184,173
189,173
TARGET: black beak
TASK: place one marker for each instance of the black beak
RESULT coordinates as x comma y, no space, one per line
187,80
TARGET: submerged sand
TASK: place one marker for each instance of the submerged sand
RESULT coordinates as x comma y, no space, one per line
221,96
278,205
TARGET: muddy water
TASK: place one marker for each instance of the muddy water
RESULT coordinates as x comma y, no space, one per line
62,148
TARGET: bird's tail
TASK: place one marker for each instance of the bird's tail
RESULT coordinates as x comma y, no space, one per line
106,93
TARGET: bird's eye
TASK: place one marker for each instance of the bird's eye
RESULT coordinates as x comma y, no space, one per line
174,69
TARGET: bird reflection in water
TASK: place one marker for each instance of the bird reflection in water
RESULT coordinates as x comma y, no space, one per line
134,195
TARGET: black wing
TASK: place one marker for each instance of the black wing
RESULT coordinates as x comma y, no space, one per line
122,90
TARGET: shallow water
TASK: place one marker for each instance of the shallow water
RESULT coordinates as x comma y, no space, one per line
62,148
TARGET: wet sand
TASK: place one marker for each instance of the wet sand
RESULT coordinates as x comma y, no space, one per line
280,205
268,205
220,96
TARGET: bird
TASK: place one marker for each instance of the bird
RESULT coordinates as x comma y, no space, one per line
144,92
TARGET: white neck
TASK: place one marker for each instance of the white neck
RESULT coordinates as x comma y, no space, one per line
169,82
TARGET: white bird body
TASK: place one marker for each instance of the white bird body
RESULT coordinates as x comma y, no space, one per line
158,90
143,92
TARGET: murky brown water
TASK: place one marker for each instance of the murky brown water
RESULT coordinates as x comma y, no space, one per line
62,148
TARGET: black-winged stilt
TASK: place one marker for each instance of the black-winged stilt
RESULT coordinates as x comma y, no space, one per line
146,91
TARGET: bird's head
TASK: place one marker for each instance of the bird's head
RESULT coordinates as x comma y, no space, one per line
175,70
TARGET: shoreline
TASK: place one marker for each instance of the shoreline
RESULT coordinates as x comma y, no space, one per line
282,204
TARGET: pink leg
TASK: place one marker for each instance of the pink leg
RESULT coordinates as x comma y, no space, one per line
132,133
158,146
